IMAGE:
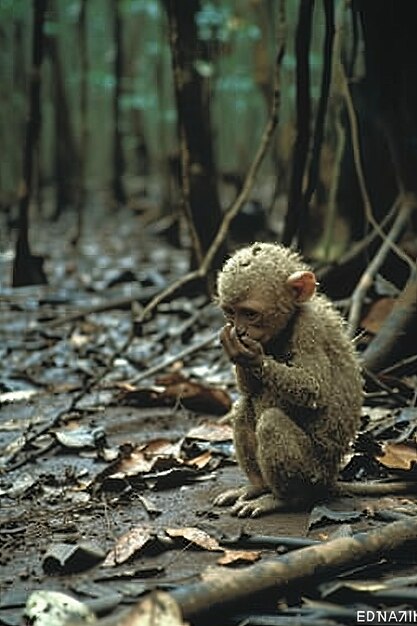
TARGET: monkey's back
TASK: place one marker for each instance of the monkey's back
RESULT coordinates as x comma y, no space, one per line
320,351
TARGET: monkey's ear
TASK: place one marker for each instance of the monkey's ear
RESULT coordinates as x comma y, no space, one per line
303,284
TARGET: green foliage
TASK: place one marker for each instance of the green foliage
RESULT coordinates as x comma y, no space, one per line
213,22
149,8
218,23
204,68
102,79
140,101
232,34
235,83
14,9
51,28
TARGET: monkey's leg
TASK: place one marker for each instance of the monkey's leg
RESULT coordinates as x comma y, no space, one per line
288,463
246,452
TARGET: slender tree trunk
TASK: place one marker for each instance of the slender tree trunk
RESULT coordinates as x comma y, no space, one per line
27,268
302,141
82,38
142,163
390,87
118,159
198,173
67,173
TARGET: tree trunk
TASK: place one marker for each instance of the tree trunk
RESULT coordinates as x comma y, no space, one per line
302,140
66,173
199,184
390,57
82,38
118,159
27,268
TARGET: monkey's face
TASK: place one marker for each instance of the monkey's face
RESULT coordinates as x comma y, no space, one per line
252,317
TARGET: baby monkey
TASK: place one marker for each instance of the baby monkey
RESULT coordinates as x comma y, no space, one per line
298,377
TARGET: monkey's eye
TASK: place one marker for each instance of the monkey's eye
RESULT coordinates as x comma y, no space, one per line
228,313
251,316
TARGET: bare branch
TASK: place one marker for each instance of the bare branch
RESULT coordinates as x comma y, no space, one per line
406,205
234,209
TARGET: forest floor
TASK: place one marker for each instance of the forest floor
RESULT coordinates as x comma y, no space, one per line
107,477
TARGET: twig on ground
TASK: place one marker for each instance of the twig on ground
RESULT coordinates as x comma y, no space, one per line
394,393
375,488
30,438
173,359
120,303
405,364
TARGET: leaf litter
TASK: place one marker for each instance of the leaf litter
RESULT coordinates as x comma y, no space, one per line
73,468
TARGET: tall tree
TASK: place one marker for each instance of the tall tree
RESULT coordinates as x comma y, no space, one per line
82,39
199,186
118,159
66,161
27,268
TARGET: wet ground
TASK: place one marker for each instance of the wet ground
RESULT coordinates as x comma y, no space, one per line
106,486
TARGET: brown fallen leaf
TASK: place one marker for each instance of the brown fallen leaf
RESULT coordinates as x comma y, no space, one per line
200,461
175,387
143,458
232,557
195,536
377,314
400,456
127,545
211,431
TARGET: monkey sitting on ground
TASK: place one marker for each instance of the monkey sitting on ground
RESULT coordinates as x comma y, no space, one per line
298,376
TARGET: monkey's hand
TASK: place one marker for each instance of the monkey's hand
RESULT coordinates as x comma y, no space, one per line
241,349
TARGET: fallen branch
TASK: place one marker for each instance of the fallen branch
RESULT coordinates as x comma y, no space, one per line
402,317
321,562
375,488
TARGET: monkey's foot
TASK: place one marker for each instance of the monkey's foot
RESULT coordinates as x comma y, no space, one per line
257,507
242,494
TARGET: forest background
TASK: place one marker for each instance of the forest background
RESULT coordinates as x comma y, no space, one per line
290,121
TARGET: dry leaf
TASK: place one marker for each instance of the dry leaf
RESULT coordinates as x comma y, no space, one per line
127,545
175,387
377,314
398,456
143,459
239,556
200,461
211,431
195,536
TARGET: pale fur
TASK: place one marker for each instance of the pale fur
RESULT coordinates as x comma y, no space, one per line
292,423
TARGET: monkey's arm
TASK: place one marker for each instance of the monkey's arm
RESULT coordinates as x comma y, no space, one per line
295,384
